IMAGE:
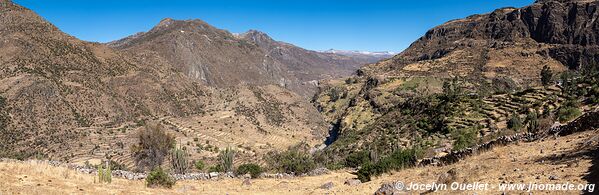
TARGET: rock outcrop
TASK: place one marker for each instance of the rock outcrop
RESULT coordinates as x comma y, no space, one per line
511,42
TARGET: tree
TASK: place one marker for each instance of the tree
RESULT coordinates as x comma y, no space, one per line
546,75
153,147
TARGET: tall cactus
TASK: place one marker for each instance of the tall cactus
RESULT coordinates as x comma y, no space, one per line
227,157
104,174
179,160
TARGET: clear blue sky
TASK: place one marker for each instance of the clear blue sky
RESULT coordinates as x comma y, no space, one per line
376,25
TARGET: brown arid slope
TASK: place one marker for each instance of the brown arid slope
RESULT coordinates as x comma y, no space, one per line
494,60
218,58
553,161
510,43
54,83
505,42
71,100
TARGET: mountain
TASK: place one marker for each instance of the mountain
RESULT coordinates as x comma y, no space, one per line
307,65
218,58
509,43
379,54
415,99
366,56
66,99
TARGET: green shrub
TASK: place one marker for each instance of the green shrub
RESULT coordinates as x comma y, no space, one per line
159,178
253,169
199,165
515,123
357,159
215,168
567,113
464,138
293,160
226,158
399,159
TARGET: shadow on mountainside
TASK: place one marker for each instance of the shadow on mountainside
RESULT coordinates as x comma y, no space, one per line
593,176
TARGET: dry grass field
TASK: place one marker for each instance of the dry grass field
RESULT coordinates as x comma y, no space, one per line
567,159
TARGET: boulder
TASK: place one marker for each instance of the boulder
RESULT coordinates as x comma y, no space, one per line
352,182
393,188
246,182
327,186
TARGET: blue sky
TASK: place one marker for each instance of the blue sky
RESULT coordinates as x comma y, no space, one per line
376,25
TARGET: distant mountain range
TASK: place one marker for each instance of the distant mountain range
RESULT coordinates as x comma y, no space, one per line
356,53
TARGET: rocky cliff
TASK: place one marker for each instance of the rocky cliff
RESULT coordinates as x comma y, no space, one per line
509,42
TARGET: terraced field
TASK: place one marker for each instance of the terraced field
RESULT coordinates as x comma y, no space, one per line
253,121
492,114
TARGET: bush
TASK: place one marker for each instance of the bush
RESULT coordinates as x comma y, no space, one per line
226,158
199,165
294,160
215,168
515,123
117,166
464,138
159,178
567,113
398,160
357,159
154,145
179,161
253,169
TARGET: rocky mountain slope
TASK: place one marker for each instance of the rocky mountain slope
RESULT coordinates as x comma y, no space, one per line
509,43
465,77
218,58
67,99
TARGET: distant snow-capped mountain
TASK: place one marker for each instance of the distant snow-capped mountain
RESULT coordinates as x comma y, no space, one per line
384,54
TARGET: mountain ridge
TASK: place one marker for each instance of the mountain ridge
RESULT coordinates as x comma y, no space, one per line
72,100
493,59
214,56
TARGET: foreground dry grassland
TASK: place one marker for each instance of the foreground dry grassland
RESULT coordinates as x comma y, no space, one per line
566,159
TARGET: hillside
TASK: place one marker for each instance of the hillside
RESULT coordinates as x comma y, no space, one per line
70,100
508,44
565,159
510,96
53,83
467,77
218,58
